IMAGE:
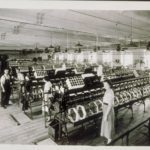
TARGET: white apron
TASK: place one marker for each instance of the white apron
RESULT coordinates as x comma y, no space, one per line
107,127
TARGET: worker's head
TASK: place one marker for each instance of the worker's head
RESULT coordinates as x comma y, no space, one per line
27,74
107,84
60,83
6,71
27,77
46,79
17,70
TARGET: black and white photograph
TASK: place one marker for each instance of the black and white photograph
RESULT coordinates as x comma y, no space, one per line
75,77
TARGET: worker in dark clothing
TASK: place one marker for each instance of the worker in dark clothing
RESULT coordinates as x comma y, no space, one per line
28,83
5,88
27,96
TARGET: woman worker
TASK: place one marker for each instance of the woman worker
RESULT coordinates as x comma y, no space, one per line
6,88
107,125
20,83
48,96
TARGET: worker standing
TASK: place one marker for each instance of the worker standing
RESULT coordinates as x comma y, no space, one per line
20,82
28,83
27,90
107,125
47,96
6,88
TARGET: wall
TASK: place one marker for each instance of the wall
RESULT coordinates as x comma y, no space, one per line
129,57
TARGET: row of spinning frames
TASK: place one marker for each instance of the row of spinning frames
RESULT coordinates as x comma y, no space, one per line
132,90
85,102
131,83
118,71
126,96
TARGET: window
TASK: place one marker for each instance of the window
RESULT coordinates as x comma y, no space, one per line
147,59
107,57
127,59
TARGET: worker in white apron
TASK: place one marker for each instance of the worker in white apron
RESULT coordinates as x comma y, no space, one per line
107,125
46,104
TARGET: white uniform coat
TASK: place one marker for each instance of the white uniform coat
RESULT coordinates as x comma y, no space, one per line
107,127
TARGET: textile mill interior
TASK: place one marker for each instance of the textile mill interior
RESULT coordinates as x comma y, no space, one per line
75,77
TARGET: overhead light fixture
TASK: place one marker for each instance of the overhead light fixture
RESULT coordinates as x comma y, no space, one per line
57,48
46,50
124,48
36,48
51,46
118,47
96,48
132,44
79,44
66,50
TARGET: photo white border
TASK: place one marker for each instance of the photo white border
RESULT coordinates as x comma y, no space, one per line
84,5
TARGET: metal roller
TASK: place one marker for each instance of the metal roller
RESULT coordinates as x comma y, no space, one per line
73,115
81,112
99,104
93,108
121,99
129,97
116,101
125,96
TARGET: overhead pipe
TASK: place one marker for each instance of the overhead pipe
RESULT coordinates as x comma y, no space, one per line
45,26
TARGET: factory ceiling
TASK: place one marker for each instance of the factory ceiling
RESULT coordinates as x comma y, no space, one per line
22,28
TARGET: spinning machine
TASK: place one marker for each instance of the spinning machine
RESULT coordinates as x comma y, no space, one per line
83,100
131,91
83,104
119,74
34,98
39,74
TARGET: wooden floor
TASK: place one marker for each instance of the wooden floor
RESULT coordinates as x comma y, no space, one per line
17,128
